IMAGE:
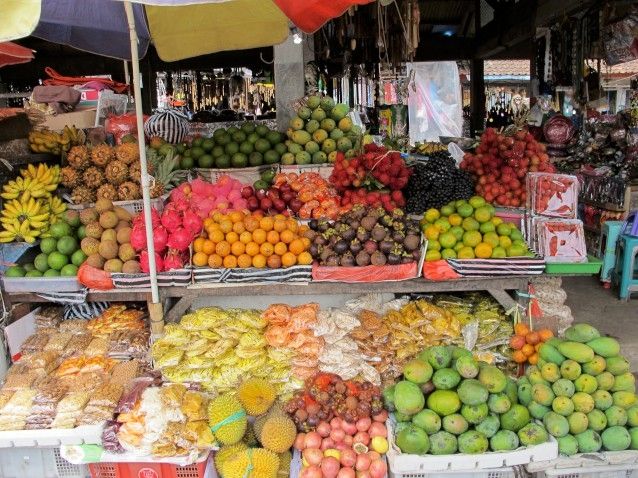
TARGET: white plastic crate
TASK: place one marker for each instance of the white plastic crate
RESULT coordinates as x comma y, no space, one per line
134,207
38,463
494,473
607,464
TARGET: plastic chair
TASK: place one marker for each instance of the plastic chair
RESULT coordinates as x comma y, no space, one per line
607,248
630,227
626,270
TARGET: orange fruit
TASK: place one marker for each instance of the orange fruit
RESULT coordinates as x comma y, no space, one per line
209,247
292,225
259,236
230,262
226,225
532,338
215,261
306,242
304,259
222,248
267,249
519,357
280,248
272,237
303,228
528,350
217,216
274,261
259,261
200,259
245,237
296,247
237,248
251,223
287,236
252,249
537,347
239,227
521,329
545,334
244,261
533,359
266,223
216,236
280,225
288,259
236,216
483,250
208,222
213,227
232,237
198,244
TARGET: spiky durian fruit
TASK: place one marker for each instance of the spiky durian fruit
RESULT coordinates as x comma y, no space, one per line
227,419
102,154
252,463
128,153
278,433
116,172
69,177
82,195
107,191
79,157
128,191
227,452
93,177
256,395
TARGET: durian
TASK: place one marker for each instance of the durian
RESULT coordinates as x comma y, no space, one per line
227,452
285,459
256,395
278,433
252,463
227,419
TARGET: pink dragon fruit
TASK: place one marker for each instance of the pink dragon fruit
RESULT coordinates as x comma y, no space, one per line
160,238
173,260
138,237
180,239
144,265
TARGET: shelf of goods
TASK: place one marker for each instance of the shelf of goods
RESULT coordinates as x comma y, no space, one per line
182,298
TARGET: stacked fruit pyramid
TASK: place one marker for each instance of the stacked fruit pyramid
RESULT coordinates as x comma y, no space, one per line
583,391
321,129
469,229
448,402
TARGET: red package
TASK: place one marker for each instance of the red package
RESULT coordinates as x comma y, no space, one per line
122,125
439,271
365,273
94,278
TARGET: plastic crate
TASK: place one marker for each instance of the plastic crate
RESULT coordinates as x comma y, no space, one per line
203,469
591,267
38,463
495,473
134,207
605,472
244,175
605,464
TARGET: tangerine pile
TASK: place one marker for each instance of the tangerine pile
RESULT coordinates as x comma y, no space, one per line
244,239
526,343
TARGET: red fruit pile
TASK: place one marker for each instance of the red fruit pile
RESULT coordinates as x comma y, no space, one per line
378,168
387,200
501,162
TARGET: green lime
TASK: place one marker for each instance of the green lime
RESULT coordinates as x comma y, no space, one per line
246,147
261,184
15,271
239,160
41,262
186,163
60,229
29,267
48,245
33,274
51,273
67,245
268,175
206,161
223,162
78,257
256,159
271,157
69,270
231,148
57,260
81,232
197,152
217,152
208,145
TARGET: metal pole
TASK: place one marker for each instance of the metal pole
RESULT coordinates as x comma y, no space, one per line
146,192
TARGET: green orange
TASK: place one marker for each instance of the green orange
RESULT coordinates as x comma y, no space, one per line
483,250
443,224
492,239
472,238
432,256
455,219
482,214
448,254
447,240
466,253
470,224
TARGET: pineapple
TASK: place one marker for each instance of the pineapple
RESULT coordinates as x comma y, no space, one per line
165,176
93,177
69,177
128,191
78,157
135,171
102,154
128,153
116,172
107,191
82,195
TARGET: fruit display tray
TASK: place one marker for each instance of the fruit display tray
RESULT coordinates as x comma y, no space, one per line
296,464
324,170
401,464
173,278
591,267
41,284
251,275
54,437
243,175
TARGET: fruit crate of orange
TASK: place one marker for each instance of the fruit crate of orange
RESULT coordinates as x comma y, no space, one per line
526,343
251,247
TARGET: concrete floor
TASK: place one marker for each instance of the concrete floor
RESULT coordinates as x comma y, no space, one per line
592,304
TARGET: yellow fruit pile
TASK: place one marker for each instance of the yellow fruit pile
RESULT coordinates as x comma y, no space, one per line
55,143
242,239
29,207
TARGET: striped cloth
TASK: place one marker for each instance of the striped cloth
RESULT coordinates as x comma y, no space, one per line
174,278
498,267
248,275
85,311
169,125
66,298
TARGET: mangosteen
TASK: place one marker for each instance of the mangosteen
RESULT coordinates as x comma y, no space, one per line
368,222
314,250
320,240
378,259
386,220
355,246
378,233
407,259
323,225
349,234
313,224
325,253
411,242
358,211
347,260
394,259
354,224
310,234
398,214
370,247
377,212
398,236
386,246
332,261
333,240
362,234
341,246
363,259
416,254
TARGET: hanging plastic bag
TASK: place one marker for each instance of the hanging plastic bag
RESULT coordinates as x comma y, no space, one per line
94,278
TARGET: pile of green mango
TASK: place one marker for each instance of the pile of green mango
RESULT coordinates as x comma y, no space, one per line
583,391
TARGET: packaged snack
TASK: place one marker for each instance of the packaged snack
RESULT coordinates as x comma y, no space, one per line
75,326
49,316
98,346
94,414
20,403
34,343
77,345
58,341
73,402
123,372
107,395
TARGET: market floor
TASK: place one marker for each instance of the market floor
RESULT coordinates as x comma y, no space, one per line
592,304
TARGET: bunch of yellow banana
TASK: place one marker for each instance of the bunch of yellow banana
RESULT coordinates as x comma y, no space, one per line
36,182
429,148
24,221
46,141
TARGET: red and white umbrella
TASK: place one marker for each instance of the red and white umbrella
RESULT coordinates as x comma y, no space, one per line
14,54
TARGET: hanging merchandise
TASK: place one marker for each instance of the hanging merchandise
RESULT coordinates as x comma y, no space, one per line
620,42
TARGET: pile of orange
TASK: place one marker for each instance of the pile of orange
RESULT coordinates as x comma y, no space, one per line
526,342
243,239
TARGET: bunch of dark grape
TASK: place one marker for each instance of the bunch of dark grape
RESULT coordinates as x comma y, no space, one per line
436,182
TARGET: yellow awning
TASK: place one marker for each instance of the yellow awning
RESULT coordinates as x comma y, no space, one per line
18,18
187,31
